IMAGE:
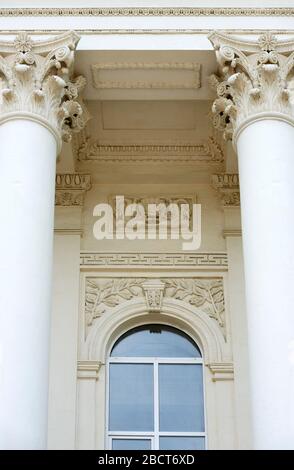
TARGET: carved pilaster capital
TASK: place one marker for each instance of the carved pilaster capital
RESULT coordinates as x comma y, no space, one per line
36,83
227,185
71,189
255,81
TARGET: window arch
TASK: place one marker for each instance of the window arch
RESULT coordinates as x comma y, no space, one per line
155,390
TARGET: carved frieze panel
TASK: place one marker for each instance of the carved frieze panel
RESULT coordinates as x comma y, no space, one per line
162,202
207,294
151,260
227,185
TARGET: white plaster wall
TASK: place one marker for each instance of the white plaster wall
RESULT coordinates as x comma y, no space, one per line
64,335
228,412
212,217
236,298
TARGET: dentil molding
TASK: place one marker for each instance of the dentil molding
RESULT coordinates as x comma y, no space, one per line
255,80
102,295
227,185
36,83
128,11
71,188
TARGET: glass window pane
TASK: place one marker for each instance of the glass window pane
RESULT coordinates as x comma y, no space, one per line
181,406
181,443
131,444
131,397
155,341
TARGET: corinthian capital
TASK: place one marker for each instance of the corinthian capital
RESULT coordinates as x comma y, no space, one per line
255,80
36,83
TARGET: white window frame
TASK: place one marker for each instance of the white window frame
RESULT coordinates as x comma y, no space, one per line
155,435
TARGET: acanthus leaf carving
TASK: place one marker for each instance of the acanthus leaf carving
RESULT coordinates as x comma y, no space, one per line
36,79
254,78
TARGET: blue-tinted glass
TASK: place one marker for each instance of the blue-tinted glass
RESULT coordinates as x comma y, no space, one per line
181,443
155,341
131,397
131,444
181,398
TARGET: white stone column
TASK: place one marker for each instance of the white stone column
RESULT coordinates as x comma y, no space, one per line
37,109
254,106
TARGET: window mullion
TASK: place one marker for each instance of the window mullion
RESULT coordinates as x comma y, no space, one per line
156,405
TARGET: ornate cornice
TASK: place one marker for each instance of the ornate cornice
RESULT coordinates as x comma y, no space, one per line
227,185
127,11
255,81
88,150
71,189
36,83
152,260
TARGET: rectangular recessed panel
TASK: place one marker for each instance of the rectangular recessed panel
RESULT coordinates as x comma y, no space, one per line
146,75
144,115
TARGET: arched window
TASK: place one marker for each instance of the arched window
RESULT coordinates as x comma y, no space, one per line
155,391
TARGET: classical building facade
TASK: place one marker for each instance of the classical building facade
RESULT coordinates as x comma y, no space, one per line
137,343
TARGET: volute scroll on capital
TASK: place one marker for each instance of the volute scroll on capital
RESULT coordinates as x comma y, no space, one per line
37,83
255,80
